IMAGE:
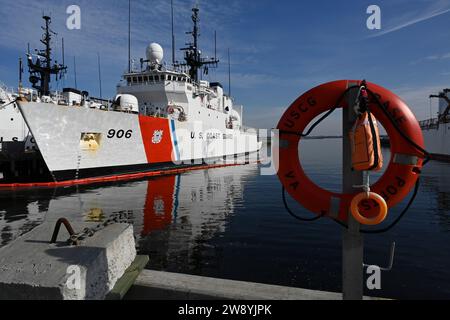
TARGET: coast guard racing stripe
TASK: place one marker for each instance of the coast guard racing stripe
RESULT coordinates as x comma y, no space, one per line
160,205
157,138
176,149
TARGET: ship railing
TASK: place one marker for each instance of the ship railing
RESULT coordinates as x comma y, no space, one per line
7,91
429,124
6,88
105,102
58,96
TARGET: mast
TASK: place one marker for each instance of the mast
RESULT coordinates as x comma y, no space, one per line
20,75
63,52
129,36
173,36
229,73
99,75
41,69
192,54
75,71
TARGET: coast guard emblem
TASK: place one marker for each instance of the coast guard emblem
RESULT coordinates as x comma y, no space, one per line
157,136
158,206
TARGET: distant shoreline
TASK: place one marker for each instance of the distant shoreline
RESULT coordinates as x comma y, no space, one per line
323,137
268,139
384,139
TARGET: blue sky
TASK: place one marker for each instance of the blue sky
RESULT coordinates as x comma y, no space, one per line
279,48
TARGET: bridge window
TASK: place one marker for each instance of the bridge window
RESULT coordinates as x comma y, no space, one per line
145,79
156,78
151,78
163,77
140,79
134,79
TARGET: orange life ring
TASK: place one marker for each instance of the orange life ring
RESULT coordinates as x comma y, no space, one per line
403,170
382,213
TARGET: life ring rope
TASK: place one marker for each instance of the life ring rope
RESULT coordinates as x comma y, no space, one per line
325,116
283,195
392,120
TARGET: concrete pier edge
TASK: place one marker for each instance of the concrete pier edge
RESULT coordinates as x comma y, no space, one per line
158,285
124,284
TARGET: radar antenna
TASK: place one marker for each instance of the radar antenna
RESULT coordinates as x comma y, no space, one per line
41,69
193,55
443,95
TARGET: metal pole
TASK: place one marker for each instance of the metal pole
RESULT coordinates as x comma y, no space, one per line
352,239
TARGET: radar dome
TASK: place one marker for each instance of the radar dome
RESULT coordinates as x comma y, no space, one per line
155,53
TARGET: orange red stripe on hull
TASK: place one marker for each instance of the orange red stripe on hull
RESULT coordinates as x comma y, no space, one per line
114,178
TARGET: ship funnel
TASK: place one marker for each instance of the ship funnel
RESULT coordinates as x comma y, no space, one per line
154,53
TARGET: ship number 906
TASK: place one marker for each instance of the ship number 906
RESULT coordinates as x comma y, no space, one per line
119,134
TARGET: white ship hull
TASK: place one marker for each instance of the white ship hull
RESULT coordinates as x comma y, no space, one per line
15,137
437,141
12,125
18,152
126,143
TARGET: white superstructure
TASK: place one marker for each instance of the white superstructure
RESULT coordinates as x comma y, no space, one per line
436,131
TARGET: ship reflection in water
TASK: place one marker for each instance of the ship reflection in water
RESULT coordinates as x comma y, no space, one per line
171,214
230,223
21,211
436,181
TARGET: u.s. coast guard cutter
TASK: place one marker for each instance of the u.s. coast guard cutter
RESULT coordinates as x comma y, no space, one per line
160,118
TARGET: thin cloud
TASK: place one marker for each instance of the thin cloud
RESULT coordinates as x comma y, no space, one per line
423,17
432,58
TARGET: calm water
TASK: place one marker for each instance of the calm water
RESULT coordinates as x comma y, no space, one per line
230,223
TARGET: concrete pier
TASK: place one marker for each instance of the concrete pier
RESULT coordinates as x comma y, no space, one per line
156,285
32,268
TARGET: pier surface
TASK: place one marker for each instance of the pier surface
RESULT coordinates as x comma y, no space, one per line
157,285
